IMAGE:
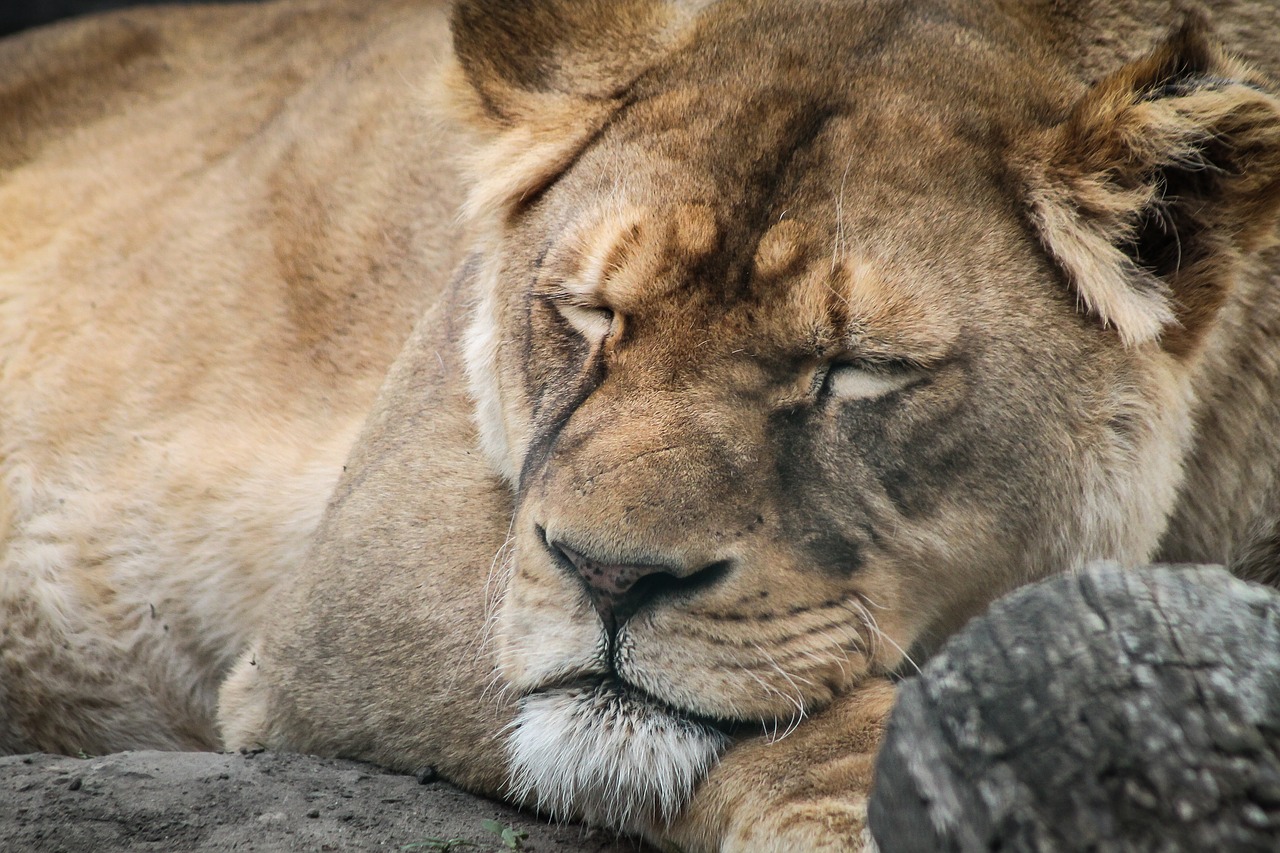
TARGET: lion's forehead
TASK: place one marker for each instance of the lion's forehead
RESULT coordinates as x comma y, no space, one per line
757,156
812,225
774,79
803,291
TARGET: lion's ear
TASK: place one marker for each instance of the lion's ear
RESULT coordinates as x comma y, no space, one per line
1161,178
541,77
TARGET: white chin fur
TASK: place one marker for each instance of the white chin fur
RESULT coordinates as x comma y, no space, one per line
609,758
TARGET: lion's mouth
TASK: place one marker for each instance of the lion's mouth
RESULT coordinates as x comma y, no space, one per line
611,689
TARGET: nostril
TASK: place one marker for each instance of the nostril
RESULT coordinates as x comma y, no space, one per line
662,584
707,576
618,590
602,577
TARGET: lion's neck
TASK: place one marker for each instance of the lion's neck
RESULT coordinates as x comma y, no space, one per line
1229,506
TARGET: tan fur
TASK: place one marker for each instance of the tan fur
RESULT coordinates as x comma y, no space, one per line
834,320
206,273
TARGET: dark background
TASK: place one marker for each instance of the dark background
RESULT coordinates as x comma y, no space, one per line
19,14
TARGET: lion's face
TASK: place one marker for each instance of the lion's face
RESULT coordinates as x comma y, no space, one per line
788,369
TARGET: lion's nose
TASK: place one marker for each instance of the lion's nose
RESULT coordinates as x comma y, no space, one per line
618,591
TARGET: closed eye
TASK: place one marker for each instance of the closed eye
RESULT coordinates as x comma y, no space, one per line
868,379
593,323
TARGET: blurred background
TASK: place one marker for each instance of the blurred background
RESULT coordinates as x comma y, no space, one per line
20,14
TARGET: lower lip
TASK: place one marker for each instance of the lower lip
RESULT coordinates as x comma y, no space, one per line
628,692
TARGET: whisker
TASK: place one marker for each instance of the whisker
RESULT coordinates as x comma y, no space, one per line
797,701
838,248
873,626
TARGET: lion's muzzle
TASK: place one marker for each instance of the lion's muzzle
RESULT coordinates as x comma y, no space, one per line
618,591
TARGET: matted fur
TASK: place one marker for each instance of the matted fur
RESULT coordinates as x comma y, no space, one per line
822,322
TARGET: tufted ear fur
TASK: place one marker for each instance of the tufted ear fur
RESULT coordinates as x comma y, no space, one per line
540,78
1163,175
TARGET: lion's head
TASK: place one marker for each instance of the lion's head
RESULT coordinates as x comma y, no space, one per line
803,330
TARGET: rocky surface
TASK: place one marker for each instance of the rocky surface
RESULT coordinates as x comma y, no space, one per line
167,801
1110,710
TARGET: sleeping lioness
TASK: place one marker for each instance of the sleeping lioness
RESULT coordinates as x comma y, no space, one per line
783,337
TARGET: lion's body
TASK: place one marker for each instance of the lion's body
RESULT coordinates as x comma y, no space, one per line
218,228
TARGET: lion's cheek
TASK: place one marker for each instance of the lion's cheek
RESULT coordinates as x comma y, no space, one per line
736,670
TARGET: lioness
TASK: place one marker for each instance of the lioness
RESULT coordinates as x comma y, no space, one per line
783,338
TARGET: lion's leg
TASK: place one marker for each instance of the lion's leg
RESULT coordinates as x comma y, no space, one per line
128,589
382,633
805,791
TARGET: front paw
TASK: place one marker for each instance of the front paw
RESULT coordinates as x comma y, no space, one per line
835,824
806,791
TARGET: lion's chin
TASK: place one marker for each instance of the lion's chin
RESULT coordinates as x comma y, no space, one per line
608,755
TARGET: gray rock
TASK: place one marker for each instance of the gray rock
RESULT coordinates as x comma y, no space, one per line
1110,710
172,801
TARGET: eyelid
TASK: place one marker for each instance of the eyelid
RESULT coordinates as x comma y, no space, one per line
878,362
868,378
593,322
